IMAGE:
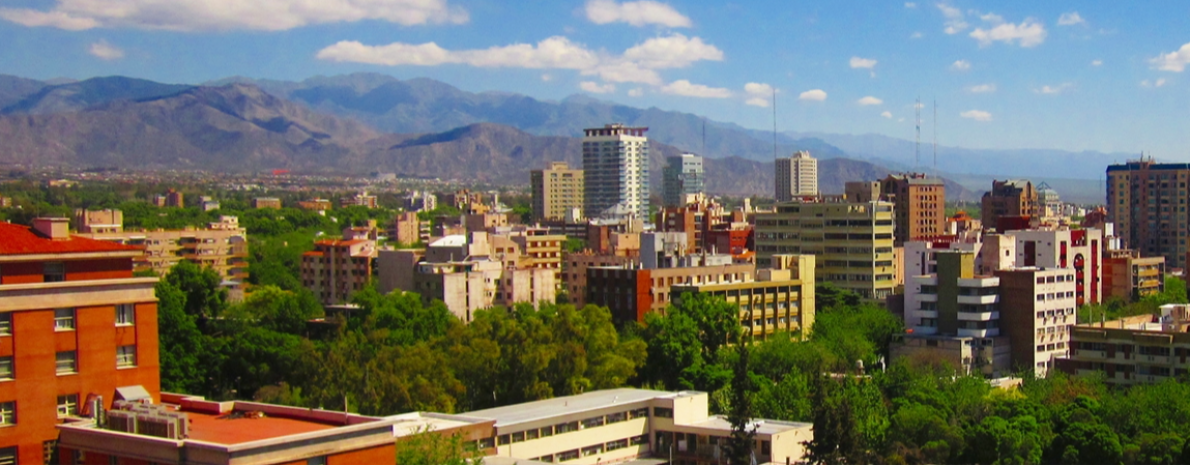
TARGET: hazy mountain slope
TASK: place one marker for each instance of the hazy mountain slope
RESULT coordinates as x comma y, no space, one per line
76,96
13,89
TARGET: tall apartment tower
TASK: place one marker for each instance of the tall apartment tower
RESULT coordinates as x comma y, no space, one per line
556,191
616,170
919,203
683,177
1147,203
797,176
1016,197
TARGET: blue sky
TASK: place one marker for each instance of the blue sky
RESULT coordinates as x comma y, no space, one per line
1107,76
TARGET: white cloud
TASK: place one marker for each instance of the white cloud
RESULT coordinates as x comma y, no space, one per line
1029,33
758,94
639,13
674,51
865,63
1173,61
910,5
1096,62
1158,83
977,115
105,51
869,100
685,88
955,23
636,92
268,15
1058,89
961,65
886,114
596,88
815,95
992,18
547,77
638,64
982,89
1070,19
915,35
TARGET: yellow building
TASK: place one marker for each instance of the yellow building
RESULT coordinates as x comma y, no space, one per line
222,246
556,191
780,299
853,242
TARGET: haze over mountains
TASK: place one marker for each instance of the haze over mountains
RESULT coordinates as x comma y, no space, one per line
370,122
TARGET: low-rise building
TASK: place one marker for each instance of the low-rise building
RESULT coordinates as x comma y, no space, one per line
780,299
631,293
319,205
361,199
1133,350
221,246
266,202
1129,277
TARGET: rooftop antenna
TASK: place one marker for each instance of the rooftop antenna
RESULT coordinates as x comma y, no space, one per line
917,139
935,138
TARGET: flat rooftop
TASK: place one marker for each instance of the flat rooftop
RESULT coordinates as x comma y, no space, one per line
530,411
720,423
237,428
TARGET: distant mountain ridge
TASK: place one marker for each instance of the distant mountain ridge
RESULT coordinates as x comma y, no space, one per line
239,127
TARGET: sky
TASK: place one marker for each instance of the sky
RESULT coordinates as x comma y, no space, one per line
1107,76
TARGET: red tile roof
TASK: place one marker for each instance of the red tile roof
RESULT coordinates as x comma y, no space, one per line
20,240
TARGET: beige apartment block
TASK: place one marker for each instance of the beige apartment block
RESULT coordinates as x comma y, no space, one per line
1133,350
221,246
797,176
620,425
574,272
266,202
337,268
471,285
98,221
853,242
556,191
780,299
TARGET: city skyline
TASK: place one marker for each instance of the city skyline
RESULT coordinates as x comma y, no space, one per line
1005,75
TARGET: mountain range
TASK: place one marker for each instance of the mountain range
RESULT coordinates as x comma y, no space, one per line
369,122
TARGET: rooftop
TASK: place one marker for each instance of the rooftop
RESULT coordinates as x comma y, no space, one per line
719,422
548,408
20,240
238,426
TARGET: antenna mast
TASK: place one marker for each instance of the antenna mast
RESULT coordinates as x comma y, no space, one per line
917,139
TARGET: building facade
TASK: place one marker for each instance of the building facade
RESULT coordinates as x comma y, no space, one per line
631,293
797,176
1144,349
1007,199
337,268
557,191
221,246
75,325
682,180
266,202
616,170
1129,277
919,203
852,242
780,299
1147,202
1038,306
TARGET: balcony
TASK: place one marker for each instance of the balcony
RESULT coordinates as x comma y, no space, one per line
987,332
979,299
925,330
979,316
925,313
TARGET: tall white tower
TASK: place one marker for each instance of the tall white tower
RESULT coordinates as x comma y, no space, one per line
616,171
797,176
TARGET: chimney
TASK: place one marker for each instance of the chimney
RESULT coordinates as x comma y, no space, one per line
57,229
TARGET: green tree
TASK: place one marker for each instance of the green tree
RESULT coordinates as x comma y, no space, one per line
741,412
683,344
427,447
205,298
180,341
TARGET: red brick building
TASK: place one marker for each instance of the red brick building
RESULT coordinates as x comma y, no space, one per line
74,324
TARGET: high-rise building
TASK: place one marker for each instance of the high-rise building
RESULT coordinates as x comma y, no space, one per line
1147,203
616,170
1011,198
852,242
683,179
919,203
75,327
556,191
797,176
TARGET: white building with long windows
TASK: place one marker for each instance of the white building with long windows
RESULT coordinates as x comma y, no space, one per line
615,170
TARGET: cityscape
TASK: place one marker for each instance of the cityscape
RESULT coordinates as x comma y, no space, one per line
374,266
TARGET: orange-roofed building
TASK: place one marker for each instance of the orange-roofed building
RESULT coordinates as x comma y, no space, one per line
336,268
184,429
74,324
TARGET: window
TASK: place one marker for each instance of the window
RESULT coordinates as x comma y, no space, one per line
663,412
593,422
638,440
67,362
125,315
6,324
8,456
64,319
68,405
8,414
566,427
126,356
592,450
503,439
518,436
316,460
54,273
6,372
